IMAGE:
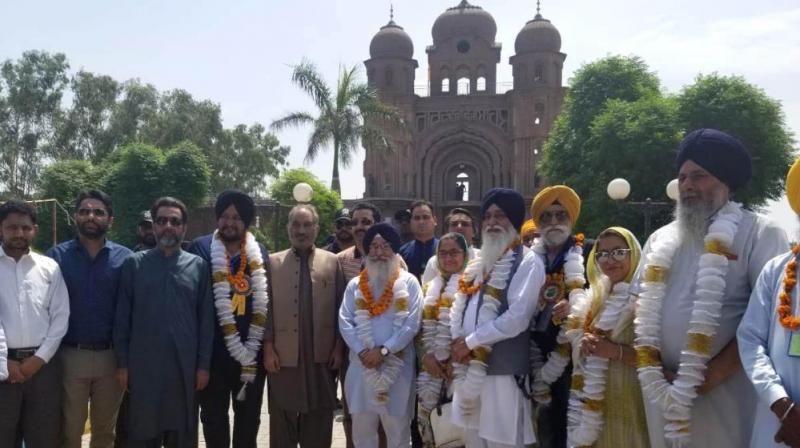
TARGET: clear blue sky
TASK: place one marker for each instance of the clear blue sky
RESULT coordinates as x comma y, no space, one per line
238,53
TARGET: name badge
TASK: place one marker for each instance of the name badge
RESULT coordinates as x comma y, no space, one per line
794,344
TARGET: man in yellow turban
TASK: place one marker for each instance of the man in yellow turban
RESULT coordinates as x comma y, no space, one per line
793,186
554,211
529,233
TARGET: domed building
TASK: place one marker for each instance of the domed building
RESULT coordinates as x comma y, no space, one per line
468,133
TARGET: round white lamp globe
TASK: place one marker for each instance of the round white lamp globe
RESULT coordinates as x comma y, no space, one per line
302,192
618,189
672,190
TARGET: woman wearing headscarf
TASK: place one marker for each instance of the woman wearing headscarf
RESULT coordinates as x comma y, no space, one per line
605,406
434,339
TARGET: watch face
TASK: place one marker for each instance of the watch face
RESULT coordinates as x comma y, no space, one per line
384,351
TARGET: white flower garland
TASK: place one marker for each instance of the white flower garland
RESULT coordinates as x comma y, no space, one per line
244,353
382,378
436,337
675,399
574,280
469,379
585,411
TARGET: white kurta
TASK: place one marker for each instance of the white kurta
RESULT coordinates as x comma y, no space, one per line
403,391
505,414
722,417
764,347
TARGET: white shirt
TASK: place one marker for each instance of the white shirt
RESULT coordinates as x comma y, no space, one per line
764,349
505,414
3,354
34,303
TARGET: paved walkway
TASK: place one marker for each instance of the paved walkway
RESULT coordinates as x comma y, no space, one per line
263,432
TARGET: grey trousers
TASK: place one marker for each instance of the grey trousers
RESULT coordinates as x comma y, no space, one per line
287,429
31,411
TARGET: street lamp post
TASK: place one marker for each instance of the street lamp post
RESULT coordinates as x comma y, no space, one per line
619,189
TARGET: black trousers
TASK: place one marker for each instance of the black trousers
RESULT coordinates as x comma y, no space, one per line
31,411
216,398
552,419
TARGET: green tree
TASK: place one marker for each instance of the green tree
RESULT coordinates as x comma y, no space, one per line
325,200
731,104
591,88
248,157
31,89
634,140
84,132
350,115
139,174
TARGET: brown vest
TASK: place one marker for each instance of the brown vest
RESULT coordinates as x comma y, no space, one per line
284,278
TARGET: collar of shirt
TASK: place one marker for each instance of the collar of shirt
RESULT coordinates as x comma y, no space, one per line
4,255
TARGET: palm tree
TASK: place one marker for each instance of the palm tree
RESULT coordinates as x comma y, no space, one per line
351,115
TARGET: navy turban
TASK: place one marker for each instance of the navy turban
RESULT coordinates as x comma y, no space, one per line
387,232
720,154
243,203
509,201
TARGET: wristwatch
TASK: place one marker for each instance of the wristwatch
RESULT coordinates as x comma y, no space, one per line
384,351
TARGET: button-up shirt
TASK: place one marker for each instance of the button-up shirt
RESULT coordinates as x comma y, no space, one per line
34,304
92,284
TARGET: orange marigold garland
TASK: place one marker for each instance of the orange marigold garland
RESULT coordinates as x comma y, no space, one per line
785,317
385,300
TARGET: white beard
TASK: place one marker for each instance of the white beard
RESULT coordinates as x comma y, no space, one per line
495,245
379,272
555,239
693,220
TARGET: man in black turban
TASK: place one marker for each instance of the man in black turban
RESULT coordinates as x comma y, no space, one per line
235,212
712,254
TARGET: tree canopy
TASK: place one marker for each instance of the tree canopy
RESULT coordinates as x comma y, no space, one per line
617,122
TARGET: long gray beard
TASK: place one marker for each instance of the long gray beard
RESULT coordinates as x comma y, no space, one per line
379,272
693,220
494,246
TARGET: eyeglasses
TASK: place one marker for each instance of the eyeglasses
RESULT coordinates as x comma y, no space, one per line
173,221
450,253
343,224
546,217
616,255
97,212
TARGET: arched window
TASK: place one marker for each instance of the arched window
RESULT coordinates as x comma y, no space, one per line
481,84
462,187
538,73
446,85
389,76
463,86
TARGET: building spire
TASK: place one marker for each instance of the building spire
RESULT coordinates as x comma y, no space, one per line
391,12
538,9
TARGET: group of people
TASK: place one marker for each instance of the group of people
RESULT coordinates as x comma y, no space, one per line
542,336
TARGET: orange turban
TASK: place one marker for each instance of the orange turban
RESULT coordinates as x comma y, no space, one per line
793,186
557,193
528,227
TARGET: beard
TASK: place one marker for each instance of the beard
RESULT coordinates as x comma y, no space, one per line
231,234
693,218
379,272
556,235
92,233
344,236
169,240
495,244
